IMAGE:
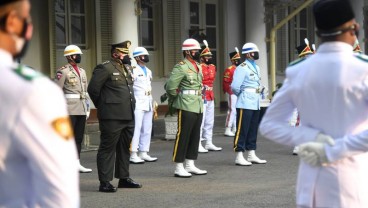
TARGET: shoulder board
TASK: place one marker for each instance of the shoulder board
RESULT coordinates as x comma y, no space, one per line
134,67
243,64
63,67
181,63
27,73
361,57
212,65
297,61
230,67
106,62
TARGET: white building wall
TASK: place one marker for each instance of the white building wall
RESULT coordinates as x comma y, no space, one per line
359,17
124,22
256,33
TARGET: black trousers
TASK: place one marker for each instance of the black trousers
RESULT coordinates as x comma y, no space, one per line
79,124
247,122
187,136
115,139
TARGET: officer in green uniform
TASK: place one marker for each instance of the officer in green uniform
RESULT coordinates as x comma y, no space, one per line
184,90
111,90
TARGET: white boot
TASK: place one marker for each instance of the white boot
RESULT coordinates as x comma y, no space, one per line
135,159
295,150
191,168
228,132
234,129
144,156
181,172
201,149
211,147
252,157
83,169
240,160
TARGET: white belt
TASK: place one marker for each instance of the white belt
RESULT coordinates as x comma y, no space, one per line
191,92
208,88
251,90
77,96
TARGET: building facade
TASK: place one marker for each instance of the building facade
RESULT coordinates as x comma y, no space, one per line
162,25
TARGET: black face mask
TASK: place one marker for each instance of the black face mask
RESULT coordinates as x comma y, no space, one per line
255,55
208,61
237,62
195,56
126,60
145,59
77,58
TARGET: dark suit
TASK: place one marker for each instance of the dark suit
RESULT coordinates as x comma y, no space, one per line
111,90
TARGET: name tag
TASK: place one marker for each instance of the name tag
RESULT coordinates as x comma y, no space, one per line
251,75
115,73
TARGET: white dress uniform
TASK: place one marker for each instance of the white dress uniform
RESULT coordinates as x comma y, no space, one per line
37,146
330,91
143,110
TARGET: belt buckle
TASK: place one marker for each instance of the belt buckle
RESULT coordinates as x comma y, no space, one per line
82,96
257,90
148,93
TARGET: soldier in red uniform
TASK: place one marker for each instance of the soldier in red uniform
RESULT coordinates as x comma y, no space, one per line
230,125
209,75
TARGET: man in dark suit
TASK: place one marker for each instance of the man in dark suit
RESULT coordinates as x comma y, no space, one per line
111,90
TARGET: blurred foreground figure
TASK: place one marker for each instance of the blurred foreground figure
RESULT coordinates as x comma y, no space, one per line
330,90
37,150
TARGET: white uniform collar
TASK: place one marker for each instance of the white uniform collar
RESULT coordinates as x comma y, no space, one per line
6,59
335,46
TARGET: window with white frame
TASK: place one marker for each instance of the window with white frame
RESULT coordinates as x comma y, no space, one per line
70,23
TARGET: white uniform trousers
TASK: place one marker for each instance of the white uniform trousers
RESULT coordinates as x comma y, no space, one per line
231,111
208,121
142,131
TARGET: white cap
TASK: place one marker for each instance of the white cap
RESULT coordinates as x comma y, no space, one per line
140,51
190,44
249,47
71,50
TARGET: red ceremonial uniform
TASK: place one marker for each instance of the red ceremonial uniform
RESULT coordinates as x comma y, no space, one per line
228,79
209,75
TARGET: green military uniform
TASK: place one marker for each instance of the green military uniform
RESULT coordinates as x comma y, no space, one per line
184,89
111,90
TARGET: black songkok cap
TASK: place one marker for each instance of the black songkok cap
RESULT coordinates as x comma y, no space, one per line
330,14
4,2
234,55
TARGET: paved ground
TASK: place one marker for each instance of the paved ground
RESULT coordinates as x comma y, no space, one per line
225,185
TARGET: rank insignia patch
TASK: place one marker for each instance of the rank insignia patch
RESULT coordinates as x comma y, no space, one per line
63,127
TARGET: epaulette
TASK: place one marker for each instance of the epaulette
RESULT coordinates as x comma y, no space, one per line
27,73
212,64
361,56
63,67
229,67
181,63
297,61
106,62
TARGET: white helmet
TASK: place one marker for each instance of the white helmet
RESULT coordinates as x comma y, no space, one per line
140,51
249,47
71,50
190,44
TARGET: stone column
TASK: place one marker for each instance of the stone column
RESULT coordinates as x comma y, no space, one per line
124,22
255,32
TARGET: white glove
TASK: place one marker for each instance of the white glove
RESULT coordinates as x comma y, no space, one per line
313,153
325,139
